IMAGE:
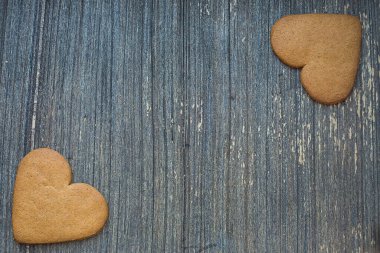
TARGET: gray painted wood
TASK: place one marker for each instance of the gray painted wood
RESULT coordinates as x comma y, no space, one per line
19,33
198,136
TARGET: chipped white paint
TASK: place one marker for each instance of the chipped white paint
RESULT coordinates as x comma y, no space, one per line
301,154
346,7
368,71
200,108
302,142
148,108
356,157
333,124
37,81
206,9
233,6
199,126
358,104
292,146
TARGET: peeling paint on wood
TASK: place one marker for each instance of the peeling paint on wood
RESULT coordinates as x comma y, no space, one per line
198,136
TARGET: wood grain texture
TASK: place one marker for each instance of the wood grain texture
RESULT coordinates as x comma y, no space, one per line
19,31
198,136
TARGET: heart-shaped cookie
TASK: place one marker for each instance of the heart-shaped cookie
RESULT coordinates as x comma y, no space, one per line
47,208
326,46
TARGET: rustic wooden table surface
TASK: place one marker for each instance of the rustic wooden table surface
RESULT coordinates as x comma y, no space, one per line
198,136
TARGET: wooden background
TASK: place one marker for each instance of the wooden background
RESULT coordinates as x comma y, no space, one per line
199,137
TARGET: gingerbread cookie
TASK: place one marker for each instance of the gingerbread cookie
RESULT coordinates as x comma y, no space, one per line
47,208
326,47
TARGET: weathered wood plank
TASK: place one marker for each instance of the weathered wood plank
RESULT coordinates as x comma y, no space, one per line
74,113
19,34
132,133
207,127
250,201
167,121
342,161
126,91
